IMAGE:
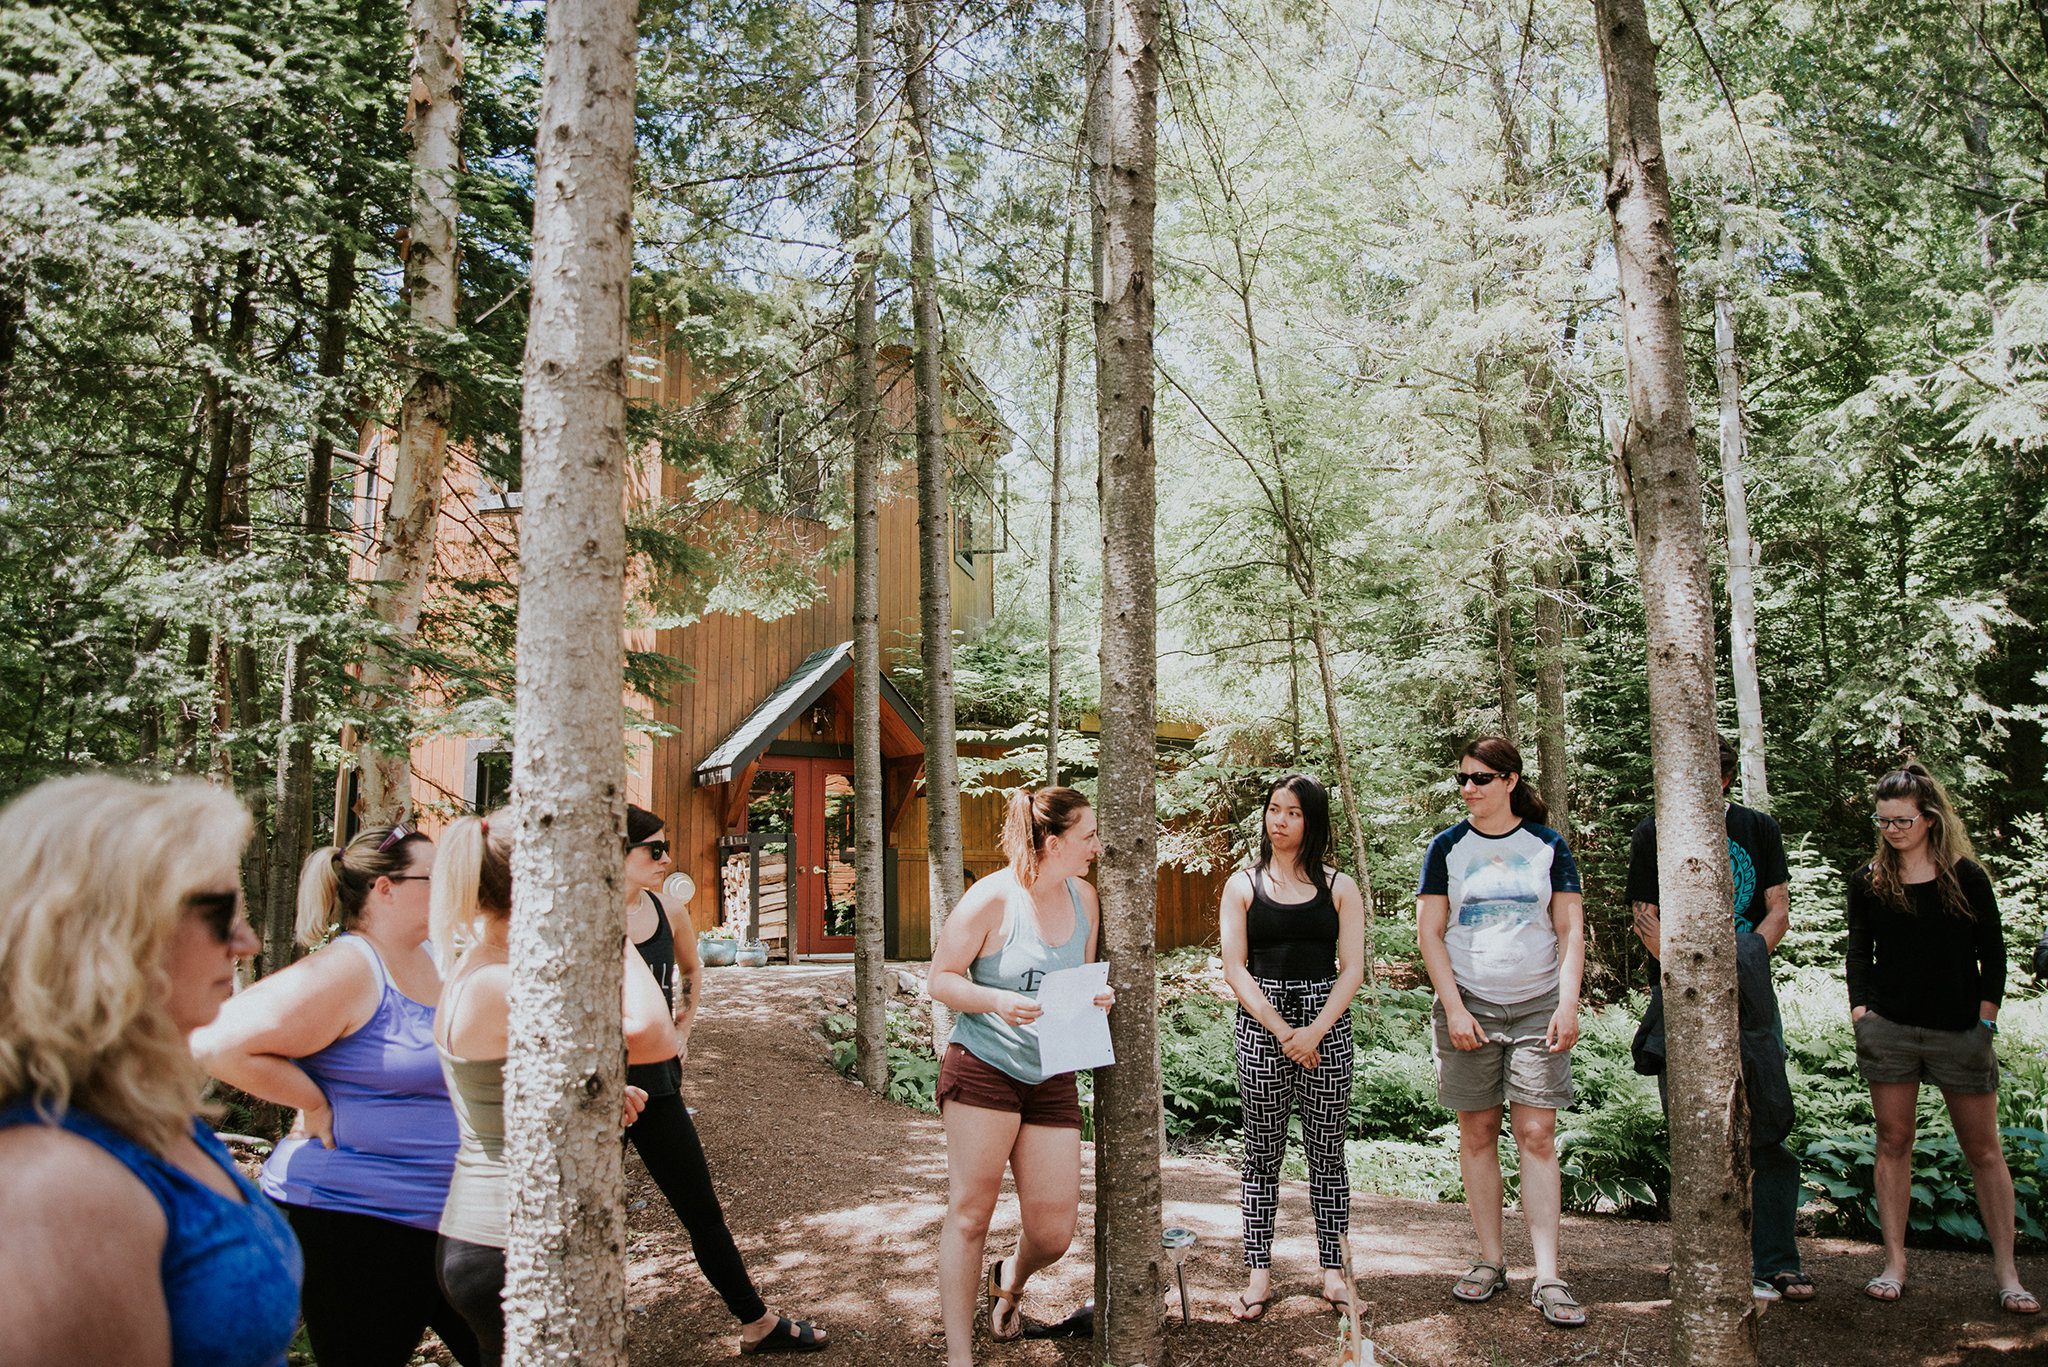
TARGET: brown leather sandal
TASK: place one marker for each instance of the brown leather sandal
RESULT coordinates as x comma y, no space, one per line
998,1297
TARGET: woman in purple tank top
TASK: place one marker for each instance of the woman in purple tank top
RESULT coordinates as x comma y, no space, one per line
346,1037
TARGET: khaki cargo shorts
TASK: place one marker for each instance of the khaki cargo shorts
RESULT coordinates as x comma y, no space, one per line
1513,1064
1953,1060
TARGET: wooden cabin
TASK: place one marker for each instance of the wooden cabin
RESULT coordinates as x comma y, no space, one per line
752,764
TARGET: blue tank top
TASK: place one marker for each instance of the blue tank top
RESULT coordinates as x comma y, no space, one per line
1018,966
231,1269
394,1128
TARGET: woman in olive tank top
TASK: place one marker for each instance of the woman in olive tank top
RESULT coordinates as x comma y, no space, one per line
1293,933
1033,917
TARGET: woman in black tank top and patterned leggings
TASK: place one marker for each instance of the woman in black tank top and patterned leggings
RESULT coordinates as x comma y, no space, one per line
1294,953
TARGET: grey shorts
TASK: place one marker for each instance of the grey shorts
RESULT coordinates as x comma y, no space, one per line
1513,1064
1953,1060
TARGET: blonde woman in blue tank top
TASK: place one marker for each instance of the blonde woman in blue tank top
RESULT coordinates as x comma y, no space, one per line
1012,928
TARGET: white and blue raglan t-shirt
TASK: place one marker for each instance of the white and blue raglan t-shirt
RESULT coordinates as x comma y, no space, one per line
1503,947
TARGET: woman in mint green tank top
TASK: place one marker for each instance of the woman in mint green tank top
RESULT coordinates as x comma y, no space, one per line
1035,916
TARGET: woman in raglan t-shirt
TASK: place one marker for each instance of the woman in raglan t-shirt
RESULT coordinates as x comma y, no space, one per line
1502,930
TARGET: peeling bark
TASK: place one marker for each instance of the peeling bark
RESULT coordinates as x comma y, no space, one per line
405,555
565,1274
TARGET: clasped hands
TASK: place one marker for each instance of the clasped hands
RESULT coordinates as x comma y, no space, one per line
1560,1035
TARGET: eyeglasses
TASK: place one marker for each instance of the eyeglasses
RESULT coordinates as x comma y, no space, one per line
1894,823
1479,778
409,878
657,850
399,832
220,911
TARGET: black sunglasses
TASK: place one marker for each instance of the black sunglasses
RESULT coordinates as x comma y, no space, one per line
657,850
1478,778
220,911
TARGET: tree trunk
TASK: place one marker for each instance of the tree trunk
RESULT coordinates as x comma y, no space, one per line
1713,1315
1505,680
293,837
870,968
565,1275
1553,760
1123,85
1055,584
1742,552
405,555
934,495
1319,630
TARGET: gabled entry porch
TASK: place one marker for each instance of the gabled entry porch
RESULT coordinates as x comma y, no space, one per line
783,779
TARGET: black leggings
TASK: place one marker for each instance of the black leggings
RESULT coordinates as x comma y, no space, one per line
371,1290
674,1156
473,1279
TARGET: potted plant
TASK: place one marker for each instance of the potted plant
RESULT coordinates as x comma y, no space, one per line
718,948
752,954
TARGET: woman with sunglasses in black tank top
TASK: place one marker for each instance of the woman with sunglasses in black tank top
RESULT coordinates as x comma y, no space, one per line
1294,954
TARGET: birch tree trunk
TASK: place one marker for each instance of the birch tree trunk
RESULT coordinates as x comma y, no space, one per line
1713,1314
1055,583
405,554
871,1003
1123,85
1742,553
565,1277
1508,684
934,495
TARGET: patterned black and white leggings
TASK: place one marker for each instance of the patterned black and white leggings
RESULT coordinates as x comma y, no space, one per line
1272,1086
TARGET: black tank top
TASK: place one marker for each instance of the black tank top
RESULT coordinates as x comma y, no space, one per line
659,950
1292,940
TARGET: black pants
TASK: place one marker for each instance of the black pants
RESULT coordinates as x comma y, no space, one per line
371,1290
674,1156
473,1279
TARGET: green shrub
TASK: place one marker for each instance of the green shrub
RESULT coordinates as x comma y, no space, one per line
913,1068
1198,1067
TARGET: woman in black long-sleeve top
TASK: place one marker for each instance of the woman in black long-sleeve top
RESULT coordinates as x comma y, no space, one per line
1926,975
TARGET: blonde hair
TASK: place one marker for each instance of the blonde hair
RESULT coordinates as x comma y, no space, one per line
336,880
1947,842
472,881
101,868
1033,819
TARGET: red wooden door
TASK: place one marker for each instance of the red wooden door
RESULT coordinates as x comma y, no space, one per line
821,865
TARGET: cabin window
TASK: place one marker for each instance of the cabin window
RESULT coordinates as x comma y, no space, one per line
490,778
963,539
498,481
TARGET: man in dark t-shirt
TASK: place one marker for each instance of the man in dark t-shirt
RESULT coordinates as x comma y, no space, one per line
1762,907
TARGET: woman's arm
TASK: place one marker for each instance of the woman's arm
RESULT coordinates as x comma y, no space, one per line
1231,915
1568,919
1093,906
1432,920
80,1274
650,1031
261,1030
1990,942
979,914
1351,957
689,987
1857,961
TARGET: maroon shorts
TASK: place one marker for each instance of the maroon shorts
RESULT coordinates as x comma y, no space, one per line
1054,1103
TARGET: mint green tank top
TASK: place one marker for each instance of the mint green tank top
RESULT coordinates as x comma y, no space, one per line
1018,966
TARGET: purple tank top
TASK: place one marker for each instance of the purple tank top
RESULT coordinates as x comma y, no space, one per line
394,1129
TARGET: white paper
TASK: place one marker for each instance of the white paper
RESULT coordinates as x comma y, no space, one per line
1073,1032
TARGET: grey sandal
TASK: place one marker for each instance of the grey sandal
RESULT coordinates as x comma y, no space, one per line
1482,1283
1553,1299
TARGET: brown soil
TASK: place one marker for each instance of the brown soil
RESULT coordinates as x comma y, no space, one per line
835,1197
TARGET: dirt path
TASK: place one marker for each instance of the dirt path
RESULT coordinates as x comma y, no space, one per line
836,1196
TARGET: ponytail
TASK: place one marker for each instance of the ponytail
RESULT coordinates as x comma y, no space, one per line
472,881
1034,818
319,895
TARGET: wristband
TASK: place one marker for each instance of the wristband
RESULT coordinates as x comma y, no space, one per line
1990,1025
